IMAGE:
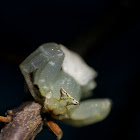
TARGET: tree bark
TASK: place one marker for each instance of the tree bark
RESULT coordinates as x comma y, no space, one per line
25,122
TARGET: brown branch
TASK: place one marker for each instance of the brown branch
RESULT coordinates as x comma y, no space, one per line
25,122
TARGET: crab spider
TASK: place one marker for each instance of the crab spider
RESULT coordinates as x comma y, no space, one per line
63,79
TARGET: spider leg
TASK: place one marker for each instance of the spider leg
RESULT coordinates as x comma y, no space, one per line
36,61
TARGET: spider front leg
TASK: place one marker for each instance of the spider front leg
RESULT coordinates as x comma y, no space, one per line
30,65
36,61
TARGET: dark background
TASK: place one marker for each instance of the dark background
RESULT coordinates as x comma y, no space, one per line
105,33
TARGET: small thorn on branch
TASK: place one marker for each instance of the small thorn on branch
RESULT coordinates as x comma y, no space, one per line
4,119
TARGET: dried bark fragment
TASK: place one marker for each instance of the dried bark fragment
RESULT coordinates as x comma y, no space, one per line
54,128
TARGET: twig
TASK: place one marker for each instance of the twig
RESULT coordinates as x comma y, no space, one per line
25,122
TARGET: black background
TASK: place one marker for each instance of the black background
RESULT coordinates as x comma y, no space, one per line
105,33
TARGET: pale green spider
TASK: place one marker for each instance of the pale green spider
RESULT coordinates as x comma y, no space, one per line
63,79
